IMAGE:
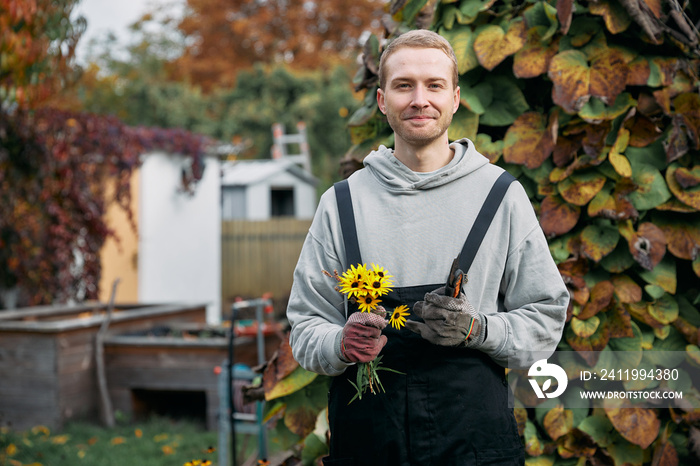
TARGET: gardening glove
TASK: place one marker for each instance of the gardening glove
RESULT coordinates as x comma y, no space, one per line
361,339
448,321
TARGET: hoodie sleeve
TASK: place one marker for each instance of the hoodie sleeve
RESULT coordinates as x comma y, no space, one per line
535,299
316,311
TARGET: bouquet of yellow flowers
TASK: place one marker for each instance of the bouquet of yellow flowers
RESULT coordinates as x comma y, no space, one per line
365,287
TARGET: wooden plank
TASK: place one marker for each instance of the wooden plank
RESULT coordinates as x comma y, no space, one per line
160,379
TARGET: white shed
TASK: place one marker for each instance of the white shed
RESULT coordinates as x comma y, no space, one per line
262,189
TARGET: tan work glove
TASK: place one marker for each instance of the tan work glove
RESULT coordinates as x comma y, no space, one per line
448,321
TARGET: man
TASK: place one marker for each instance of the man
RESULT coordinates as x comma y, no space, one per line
413,207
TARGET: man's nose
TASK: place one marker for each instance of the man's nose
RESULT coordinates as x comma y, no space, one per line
420,99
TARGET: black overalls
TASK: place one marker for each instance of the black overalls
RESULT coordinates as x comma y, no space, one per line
449,407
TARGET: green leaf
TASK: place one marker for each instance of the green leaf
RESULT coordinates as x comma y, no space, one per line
534,446
624,452
303,407
540,175
599,428
475,98
689,312
663,275
651,187
597,241
585,328
542,14
464,125
654,154
581,187
411,9
507,104
462,41
595,110
314,448
619,260
664,309
291,383
655,291
668,353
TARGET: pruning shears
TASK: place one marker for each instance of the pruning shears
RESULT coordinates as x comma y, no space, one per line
455,280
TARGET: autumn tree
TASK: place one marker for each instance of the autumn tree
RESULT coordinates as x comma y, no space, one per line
224,37
37,47
55,164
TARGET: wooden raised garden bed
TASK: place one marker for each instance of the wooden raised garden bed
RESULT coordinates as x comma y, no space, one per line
47,357
173,370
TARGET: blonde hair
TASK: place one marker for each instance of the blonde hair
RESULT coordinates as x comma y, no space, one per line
418,39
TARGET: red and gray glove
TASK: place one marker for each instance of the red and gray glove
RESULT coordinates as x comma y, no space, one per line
448,321
361,339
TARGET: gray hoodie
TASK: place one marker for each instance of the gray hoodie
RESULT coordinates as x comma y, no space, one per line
414,225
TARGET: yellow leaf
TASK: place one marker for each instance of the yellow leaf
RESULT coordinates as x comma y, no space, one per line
617,160
493,44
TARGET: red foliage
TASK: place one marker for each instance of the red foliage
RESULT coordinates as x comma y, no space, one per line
54,169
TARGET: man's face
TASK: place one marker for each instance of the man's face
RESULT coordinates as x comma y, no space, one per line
419,97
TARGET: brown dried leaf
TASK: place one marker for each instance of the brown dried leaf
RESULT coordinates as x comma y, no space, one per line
683,238
690,196
557,216
565,11
639,426
620,322
626,289
601,295
534,58
648,245
528,141
558,421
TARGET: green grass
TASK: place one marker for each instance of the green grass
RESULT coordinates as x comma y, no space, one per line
156,442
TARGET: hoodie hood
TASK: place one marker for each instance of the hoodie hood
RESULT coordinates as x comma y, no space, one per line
393,174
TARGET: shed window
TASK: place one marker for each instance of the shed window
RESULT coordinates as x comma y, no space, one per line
282,202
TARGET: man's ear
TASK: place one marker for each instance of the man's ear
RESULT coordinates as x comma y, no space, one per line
380,100
456,102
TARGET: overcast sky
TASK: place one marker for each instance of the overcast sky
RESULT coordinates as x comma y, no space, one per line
112,15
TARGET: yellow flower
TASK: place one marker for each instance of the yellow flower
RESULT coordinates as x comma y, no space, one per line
368,303
382,273
117,440
398,317
377,285
59,439
40,430
167,450
160,437
11,449
138,433
352,283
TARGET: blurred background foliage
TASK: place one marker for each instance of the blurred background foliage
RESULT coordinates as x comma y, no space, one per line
225,72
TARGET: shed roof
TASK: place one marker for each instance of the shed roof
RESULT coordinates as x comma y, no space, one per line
247,172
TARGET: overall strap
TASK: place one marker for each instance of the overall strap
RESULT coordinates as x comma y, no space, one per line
347,223
483,220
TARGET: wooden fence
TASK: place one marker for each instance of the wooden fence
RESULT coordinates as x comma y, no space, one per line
259,257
